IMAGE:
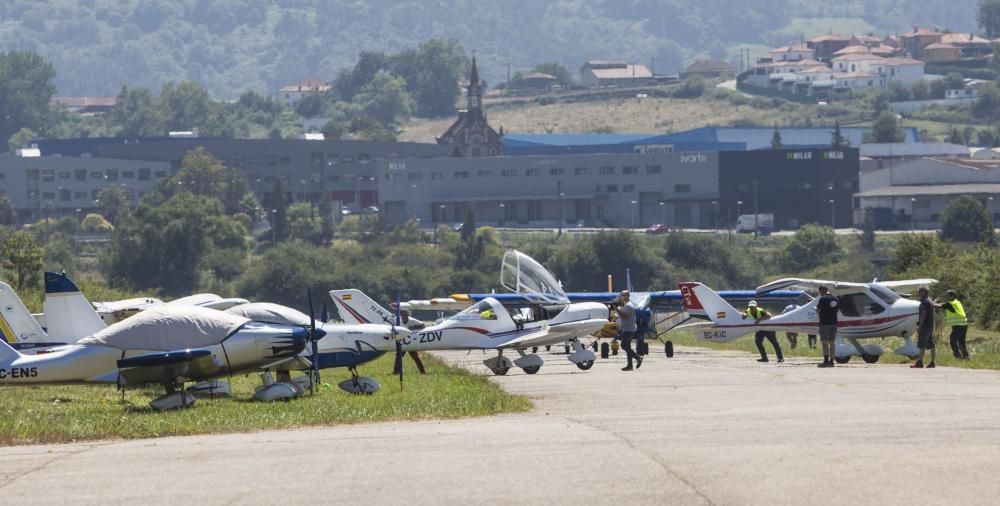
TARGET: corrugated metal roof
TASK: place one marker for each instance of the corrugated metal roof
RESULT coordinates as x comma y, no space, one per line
918,149
932,190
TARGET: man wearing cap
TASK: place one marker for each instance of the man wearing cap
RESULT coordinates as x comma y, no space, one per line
826,308
925,329
954,317
758,314
627,328
414,325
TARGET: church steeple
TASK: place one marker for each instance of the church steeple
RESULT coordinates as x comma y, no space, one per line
474,92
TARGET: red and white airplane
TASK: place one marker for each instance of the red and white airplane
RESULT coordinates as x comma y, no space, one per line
867,310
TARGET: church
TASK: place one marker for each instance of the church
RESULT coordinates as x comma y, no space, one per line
471,134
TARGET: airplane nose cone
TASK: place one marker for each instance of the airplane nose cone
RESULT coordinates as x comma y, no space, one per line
401,332
317,333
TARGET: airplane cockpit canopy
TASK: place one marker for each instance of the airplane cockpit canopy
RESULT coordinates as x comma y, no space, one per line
168,328
521,274
486,309
266,312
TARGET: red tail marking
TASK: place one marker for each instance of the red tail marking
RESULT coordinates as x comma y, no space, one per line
690,299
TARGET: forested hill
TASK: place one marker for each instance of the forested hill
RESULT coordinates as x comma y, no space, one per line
234,45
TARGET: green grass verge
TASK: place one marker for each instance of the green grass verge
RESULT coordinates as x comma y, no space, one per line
55,414
984,348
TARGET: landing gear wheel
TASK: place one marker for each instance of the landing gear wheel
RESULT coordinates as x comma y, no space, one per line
870,359
594,345
532,369
668,348
534,349
501,370
842,360
585,365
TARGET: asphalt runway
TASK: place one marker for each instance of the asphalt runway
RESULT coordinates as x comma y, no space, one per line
706,427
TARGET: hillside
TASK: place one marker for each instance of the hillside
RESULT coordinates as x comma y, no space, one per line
234,45
593,113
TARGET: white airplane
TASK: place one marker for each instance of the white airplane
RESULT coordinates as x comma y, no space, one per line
867,310
487,325
72,318
167,345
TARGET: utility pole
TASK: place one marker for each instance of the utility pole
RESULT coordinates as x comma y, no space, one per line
652,65
562,208
756,210
507,88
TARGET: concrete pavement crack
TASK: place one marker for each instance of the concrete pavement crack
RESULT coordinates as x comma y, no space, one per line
663,466
57,456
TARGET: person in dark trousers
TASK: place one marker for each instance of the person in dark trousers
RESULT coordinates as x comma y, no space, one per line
412,324
827,308
627,328
925,330
954,317
758,314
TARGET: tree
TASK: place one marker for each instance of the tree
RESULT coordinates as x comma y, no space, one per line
367,127
987,104
304,224
988,18
868,231
6,210
554,69
26,89
810,247
20,139
955,136
691,87
203,174
432,72
111,199
136,114
965,219
185,105
333,129
20,253
838,140
920,90
385,99
350,82
776,139
886,129
276,209
471,245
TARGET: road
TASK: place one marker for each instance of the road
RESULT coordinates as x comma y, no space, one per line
706,427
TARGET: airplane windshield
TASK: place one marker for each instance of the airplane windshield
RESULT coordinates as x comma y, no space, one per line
522,274
887,295
859,304
482,310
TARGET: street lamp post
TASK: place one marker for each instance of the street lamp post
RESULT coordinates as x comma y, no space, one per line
562,212
274,223
715,207
833,214
989,209
663,213
635,208
913,217
739,211
503,215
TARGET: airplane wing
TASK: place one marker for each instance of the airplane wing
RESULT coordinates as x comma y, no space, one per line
438,304
805,283
907,284
192,364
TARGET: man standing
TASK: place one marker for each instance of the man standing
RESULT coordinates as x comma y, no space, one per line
412,324
758,314
627,327
925,329
827,309
954,317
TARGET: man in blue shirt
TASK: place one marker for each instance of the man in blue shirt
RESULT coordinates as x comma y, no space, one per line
627,328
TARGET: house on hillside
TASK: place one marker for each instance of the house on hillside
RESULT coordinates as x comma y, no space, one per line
940,51
87,106
969,45
914,42
598,73
710,69
824,46
537,81
291,94
793,52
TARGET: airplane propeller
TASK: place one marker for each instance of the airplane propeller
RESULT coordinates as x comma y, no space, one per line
399,345
314,335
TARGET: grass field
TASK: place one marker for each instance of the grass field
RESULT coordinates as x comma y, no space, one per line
54,414
983,345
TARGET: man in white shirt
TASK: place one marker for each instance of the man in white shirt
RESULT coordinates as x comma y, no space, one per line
412,324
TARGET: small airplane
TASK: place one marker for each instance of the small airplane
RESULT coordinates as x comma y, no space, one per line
167,345
867,310
487,325
72,318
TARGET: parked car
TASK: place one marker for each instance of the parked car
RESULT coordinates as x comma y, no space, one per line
659,228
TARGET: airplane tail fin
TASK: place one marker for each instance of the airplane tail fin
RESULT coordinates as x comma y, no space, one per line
701,301
16,323
68,314
356,307
7,354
